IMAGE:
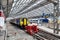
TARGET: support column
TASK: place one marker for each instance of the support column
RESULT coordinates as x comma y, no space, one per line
56,12
7,7
0,4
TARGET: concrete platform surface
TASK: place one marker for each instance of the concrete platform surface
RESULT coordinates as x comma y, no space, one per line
44,28
15,33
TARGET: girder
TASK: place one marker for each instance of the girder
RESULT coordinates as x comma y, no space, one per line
30,7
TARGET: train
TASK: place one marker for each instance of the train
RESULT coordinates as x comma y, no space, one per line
24,21
20,21
41,20
30,25
24,24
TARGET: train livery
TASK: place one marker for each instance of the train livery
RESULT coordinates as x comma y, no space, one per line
24,24
20,21
41,20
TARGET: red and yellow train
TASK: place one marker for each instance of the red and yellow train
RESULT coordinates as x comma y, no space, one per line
25,24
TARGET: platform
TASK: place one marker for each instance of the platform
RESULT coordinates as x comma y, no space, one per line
48,30
3,33
14,33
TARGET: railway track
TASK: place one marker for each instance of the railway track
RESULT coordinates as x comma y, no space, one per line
42,35
38,37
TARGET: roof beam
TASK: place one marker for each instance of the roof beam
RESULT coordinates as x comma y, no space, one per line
54,2
34,6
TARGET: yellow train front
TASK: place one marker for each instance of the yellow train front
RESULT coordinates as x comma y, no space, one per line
21,22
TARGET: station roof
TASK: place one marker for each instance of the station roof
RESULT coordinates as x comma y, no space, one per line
31,8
